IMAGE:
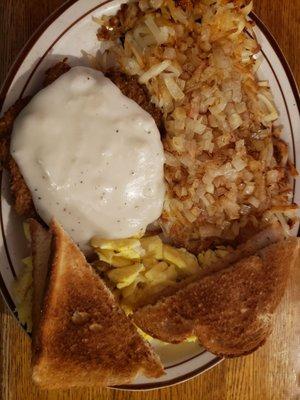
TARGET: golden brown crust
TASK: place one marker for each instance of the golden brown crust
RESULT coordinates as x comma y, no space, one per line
130,87
55,72
229,311
4,149
23,203
85,338
7,121
22,197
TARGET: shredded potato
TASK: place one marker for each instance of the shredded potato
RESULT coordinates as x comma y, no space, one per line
226,166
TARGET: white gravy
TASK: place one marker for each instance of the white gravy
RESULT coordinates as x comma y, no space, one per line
91,157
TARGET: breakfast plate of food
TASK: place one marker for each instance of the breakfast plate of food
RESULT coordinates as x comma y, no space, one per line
149,190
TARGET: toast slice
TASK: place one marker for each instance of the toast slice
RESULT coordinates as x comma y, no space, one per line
230,311
40,251
272,234
84,338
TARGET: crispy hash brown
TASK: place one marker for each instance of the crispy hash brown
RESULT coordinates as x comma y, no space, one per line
192,66
227,168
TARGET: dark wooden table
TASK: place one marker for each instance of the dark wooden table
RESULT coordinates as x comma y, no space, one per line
272,373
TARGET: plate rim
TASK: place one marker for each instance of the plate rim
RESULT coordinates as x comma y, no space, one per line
21,56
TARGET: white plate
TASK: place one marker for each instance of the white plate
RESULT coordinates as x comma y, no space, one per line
65,34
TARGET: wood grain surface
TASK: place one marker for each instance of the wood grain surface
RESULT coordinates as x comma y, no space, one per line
273,372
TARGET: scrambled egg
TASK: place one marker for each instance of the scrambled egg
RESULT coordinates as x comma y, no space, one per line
136,267
125,248
209,256
125,276
143,266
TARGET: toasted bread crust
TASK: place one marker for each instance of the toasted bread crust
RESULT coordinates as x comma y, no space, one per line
273,234
230,311
85,338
